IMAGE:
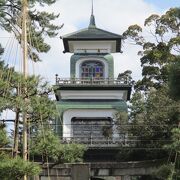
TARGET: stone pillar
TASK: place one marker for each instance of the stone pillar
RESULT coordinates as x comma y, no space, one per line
80,172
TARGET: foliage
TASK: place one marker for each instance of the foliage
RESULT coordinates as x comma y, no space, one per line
48,145
107,131
12,95
175,145
138,153
3,137
155,105
31,94
174,80
71,153
16,168
39,108
159,51
39,26
13,168
45,143
167,172
122,121
1,50
155,115
125,77
174,148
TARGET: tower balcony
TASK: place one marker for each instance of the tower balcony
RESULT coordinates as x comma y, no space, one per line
92,88
92,81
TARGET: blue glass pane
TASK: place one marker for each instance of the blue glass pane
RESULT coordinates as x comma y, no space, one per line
97,69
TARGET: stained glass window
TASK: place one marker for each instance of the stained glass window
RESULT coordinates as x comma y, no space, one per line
93,69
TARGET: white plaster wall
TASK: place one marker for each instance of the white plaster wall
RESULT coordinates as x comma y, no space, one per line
92,46
93,94
79,62
69,114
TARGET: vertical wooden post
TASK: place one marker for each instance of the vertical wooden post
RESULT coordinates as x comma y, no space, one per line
25,71
16,134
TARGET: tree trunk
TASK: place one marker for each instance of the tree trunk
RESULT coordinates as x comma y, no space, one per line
16,134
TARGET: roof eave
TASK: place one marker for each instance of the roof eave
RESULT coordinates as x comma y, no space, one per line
66,44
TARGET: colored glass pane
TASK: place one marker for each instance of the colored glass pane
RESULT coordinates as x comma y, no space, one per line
92,69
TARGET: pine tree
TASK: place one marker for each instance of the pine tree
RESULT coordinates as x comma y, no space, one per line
40,23
13,168
155,105
159,51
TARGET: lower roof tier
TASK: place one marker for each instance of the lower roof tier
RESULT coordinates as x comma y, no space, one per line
63,105
98,92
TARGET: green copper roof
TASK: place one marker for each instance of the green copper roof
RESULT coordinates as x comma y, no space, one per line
92,33
91,104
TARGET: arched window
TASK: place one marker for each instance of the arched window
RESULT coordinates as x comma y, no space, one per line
91,69
96,127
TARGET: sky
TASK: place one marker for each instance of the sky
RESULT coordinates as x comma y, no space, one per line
164,4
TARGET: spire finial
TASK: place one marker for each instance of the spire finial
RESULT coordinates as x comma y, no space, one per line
92,12
92,23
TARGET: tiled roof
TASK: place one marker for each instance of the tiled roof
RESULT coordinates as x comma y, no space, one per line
92,33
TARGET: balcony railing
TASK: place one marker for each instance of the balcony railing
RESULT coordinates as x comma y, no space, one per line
92,81
97,141
121,141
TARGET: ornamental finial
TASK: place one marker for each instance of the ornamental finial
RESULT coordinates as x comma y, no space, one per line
92,23
92,12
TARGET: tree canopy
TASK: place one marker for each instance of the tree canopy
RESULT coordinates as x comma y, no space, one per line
158,51
155,106
40,23
34,99
13,168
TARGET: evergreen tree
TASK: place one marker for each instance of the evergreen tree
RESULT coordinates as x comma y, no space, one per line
151,103
13,168
40,23
174,80
155,105
159,51
47,145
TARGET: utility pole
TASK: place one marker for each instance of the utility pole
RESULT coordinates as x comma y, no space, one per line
25,71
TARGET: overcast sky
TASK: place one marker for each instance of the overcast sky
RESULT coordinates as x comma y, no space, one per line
111,15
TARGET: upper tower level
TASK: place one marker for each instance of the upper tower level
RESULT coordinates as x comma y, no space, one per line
92,40
92,65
